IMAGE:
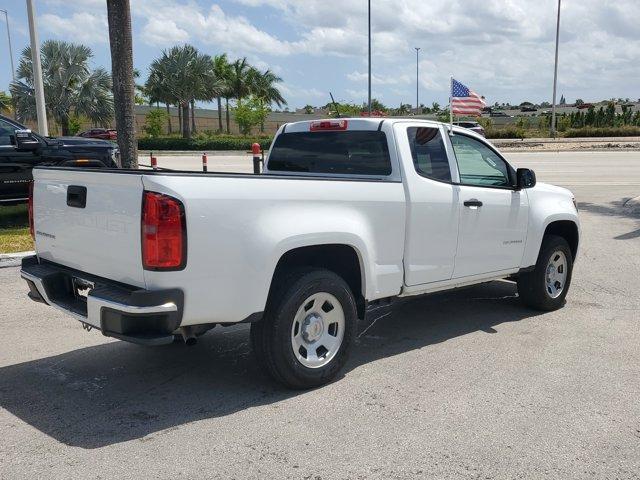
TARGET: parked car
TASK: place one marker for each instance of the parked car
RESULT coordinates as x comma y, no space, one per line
21,150
528,109
348,215
101,133
473,126
499,114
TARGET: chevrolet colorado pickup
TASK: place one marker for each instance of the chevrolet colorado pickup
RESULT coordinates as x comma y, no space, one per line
21,150
347,213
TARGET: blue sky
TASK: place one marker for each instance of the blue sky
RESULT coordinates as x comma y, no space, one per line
502,49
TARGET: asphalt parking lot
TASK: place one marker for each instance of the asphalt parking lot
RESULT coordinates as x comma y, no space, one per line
466,384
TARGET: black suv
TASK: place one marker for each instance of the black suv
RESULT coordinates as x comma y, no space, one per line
21,150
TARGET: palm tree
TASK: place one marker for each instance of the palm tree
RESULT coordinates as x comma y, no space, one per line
120,40
262,85
5,101
221,70
184,75
157,89
70,87
238,83
207,86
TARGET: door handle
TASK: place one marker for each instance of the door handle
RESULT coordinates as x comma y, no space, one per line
472,203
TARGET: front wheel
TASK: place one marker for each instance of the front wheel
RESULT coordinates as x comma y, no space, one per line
305,336
547,285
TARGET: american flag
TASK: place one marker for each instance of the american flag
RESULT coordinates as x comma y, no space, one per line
465,101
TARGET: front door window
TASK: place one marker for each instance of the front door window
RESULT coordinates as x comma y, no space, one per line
478,164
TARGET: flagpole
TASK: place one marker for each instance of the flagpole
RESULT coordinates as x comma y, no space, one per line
450,105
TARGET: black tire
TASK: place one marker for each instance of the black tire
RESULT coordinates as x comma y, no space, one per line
271,337
532,286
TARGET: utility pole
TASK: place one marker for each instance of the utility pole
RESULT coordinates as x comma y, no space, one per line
555,78
369,14
417,81
37,71
13,70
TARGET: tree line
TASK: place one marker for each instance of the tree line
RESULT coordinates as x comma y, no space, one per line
180,77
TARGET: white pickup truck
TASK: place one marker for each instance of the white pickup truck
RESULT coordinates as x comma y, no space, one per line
347,213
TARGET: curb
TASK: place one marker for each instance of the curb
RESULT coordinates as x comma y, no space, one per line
213,153
13,259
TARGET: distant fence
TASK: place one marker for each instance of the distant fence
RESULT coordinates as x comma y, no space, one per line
204,121
207,121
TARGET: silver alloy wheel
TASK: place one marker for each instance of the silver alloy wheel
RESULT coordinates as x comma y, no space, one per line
556,274
318,330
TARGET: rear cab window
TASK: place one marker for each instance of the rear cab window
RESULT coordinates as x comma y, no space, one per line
349,153
429,153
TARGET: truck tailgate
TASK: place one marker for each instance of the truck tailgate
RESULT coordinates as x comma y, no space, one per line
90,221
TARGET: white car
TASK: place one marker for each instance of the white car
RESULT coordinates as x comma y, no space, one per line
348,213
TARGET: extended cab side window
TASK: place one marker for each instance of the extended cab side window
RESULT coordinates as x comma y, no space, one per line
478,164
429,154
6,132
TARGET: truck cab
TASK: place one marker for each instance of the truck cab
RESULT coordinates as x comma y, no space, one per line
20,153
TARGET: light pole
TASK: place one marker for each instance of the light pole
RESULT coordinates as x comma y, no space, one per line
555,77
13,70
417,80
37,71
369,15
6,18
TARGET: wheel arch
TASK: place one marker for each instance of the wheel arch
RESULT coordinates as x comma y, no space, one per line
343,259
566,229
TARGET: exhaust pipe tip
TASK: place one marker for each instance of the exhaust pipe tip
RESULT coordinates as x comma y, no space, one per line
188,336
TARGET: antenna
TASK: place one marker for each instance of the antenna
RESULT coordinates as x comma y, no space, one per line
335,105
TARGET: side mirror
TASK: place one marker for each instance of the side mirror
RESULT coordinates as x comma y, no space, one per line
525,178
26,140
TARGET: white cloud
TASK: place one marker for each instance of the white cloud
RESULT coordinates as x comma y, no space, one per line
393,79
500,48
189,22
163,32
83,27
295,94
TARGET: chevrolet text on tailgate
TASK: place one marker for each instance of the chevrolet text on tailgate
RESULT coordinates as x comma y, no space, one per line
348,213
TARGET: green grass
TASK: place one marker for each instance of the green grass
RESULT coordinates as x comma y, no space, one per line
14,229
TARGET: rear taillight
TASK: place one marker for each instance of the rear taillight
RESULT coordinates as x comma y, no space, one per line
164,233
30,208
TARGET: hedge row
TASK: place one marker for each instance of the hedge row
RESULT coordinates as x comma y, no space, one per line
202,143
509,132
627,131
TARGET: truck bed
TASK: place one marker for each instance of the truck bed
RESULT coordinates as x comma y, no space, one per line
238,225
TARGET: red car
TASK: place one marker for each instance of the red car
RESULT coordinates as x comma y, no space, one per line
101,133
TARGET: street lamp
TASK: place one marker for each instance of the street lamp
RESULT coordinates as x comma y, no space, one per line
37,71
555,78
417,80
369,15
6,19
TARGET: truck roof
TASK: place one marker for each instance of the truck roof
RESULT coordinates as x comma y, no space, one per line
359,123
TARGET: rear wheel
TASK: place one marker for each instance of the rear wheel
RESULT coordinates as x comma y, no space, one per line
305,336
547,285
